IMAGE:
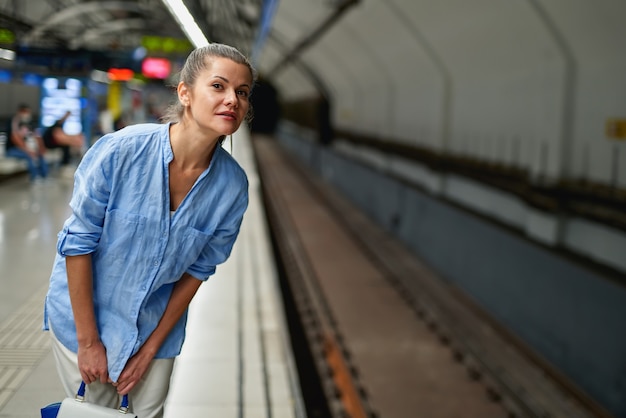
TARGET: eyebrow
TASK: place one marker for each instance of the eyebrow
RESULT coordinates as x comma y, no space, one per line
226,80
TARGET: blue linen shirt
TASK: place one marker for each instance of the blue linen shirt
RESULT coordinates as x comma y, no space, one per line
121,216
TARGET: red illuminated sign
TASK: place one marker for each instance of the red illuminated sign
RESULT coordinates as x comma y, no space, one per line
156,67
120,74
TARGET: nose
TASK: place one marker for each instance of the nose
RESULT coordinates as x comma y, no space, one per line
231,98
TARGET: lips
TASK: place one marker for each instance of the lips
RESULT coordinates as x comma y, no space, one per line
227,114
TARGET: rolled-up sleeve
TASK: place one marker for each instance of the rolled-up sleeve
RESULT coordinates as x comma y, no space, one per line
92,188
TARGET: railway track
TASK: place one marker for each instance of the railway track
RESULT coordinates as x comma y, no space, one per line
359,294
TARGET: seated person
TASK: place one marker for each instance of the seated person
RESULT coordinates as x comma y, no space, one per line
18,146
55,137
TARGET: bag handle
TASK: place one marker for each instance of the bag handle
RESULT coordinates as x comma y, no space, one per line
80,397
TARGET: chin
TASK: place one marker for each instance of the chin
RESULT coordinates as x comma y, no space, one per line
229,131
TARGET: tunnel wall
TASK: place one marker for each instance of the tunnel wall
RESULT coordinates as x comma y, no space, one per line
569,314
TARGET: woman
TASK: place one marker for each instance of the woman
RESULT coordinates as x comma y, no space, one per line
155,209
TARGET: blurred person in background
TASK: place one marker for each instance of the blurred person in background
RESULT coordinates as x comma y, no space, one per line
22,143
55,137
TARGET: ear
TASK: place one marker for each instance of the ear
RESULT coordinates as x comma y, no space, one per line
183,94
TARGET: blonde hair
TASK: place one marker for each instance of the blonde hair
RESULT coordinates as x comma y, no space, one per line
199,60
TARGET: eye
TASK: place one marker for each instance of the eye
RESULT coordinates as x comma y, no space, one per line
242,93
216,85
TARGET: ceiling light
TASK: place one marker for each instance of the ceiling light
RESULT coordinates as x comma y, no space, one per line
7,54
186,22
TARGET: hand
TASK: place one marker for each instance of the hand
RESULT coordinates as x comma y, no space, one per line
92,363
134,370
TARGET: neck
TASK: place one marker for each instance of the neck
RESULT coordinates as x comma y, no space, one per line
192,149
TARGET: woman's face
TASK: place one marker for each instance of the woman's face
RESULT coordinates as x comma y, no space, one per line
218,102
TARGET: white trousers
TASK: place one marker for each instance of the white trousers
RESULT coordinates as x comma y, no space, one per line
147,398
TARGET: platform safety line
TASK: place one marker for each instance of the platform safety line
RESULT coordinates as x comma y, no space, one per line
268,287
260,318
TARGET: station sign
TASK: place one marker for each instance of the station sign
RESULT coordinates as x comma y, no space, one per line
616,128
120,74
59,95
6,36
165,45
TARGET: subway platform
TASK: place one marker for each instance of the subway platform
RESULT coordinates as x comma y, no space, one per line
236,361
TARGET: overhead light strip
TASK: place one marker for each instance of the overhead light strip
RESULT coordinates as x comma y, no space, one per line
186,22
7,54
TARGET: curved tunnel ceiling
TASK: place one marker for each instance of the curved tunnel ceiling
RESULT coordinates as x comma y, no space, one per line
76,11
72,24
528,83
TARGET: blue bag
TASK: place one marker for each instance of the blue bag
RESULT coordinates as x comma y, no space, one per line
50,411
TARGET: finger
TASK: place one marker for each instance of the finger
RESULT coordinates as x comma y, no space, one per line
88,377
104,377
125,388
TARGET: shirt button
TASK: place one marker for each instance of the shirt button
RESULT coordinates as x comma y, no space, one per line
156,263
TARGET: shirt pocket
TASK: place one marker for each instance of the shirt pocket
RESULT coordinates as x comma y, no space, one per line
185,247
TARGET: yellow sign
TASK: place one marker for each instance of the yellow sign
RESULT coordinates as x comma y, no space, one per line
616,128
